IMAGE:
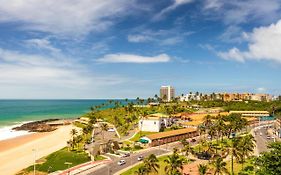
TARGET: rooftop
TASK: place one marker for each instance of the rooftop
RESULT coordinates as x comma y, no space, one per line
170,133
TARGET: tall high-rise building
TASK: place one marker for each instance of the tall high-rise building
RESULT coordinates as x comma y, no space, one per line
167,93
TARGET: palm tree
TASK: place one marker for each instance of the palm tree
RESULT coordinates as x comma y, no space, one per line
246,145
142,170
174,163
219,165
73,133
202,169
235,151
104,127
151,163
187,149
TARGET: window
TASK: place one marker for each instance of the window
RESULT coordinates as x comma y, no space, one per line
154,123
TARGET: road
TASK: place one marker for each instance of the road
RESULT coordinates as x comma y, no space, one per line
113,167
262,141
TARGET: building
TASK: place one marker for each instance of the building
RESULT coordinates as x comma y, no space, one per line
167,93
251,113
246,96
170,136
154,122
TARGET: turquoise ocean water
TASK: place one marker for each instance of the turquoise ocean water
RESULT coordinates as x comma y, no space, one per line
15,112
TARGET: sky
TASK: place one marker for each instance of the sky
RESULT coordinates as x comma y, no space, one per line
65,49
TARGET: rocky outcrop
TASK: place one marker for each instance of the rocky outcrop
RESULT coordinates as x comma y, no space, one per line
37,126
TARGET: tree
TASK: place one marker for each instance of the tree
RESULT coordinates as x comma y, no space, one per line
142,170
219,166
269,163
187,149
73,133
202,169
174,163
246,145
104,127
151,163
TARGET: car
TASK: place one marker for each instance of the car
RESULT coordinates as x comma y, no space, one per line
126,155
193,140
140,158
273,137
111,130
268,137
260,133
121,162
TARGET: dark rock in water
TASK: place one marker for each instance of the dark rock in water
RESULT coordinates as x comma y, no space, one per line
37,126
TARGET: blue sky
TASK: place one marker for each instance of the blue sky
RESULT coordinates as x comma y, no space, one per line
129,48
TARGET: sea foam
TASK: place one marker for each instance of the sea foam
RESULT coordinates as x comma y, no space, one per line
6,132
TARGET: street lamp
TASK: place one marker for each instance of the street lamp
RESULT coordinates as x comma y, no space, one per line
34,168
68,163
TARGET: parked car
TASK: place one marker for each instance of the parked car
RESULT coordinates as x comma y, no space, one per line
268,137
140,158
111,130
121,162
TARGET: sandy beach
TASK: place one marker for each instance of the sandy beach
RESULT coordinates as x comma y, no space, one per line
16,153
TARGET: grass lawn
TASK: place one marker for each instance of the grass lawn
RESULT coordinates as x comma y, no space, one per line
237,167
79,125
141,134
161,170
99,157
56,160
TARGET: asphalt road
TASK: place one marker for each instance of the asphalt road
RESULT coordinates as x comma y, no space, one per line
113,167
261,139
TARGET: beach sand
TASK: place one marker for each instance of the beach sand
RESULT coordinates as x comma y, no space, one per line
16,153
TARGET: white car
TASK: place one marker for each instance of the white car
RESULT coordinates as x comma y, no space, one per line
121,162
140,158
111,130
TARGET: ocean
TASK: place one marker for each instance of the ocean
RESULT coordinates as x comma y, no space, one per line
17,112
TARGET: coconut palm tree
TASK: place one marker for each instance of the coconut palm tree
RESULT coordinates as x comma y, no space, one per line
202,169
104,127
142,170
151,163
73,133
174,163
219,166
246,145
187,149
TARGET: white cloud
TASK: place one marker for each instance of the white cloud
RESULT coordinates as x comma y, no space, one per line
42,44
139,38
236,11
212,4
171,40
64,17
172,7
233,34
35,76
129,58
261,89
161,37
264,44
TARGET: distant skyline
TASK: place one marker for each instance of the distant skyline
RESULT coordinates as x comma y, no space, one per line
87,49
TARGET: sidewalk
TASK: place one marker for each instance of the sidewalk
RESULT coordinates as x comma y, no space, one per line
80,168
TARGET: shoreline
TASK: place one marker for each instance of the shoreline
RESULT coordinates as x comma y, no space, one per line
17,153
9,132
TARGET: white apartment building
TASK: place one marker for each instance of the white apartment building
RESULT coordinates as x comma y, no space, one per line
154,122
167,93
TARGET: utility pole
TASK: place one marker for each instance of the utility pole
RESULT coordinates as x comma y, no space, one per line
34,168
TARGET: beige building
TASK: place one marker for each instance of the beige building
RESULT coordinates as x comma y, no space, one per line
246,96
251,113
167,93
